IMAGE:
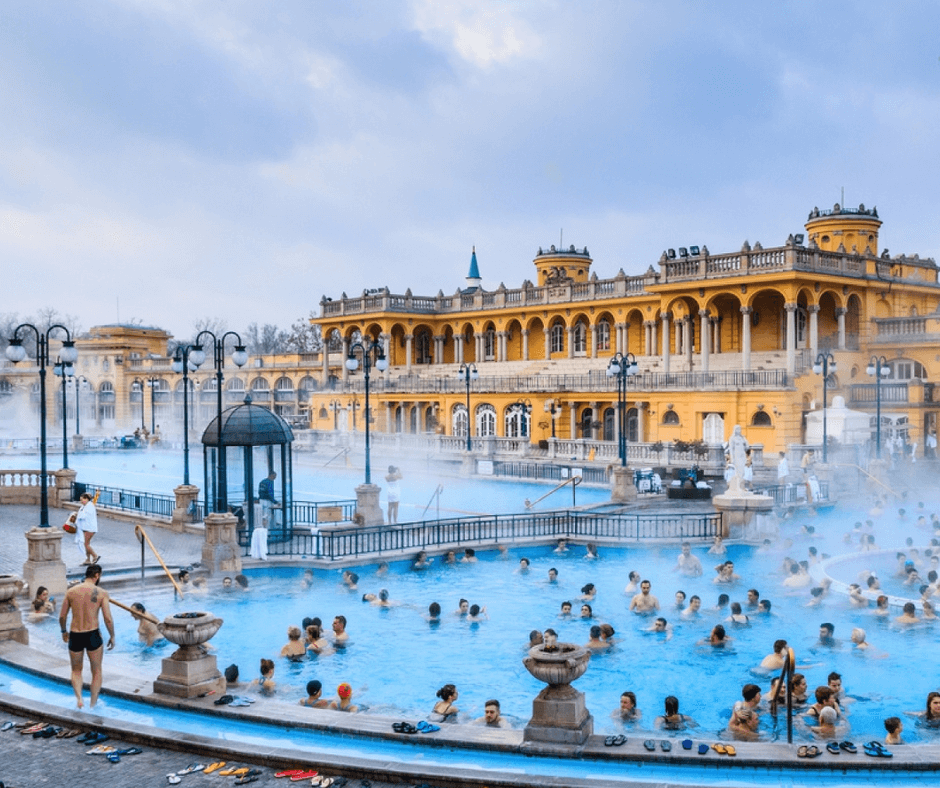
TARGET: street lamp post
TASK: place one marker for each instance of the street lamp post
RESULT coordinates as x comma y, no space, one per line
16,352
469,372
879,368
622,367
552,408
140,387
187,358
525,407
825,363
64,371
367,349
336,406
79,382
240,358
152,383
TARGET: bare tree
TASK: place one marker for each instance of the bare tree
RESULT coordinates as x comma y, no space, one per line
304,336
265,340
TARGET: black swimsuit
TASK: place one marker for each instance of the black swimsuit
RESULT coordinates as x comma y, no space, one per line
85,641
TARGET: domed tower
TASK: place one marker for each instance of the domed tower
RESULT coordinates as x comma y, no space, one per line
852,230
555,266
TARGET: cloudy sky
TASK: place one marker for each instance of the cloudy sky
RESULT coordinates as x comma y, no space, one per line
164,161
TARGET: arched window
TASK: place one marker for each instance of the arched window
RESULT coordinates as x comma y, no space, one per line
580,339
486,420
610,424
459,421
670,417
906,369
761,419
602,335
423,347
235,384
517,421
558,338
284,384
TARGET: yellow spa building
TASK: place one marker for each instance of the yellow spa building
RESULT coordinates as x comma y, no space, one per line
718,339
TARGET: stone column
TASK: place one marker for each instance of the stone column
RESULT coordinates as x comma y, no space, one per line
666,338
63,486
548,342
647,338
44,565
438,350
458,349
386,340
746,338
573,418
326,366
840,316
592,341
716,335
640,423
525,344
791,337
186,496
409,346
367,504
813,328
622,489
220,553
688,344
342,361
570,333
654,340
705,331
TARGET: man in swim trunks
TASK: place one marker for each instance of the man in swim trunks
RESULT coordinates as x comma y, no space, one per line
85,600
644,602
340,635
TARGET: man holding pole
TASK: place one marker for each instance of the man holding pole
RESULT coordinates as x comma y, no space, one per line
85,600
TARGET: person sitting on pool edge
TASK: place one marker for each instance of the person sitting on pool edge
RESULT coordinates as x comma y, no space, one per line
314,693
343,700
492,717
445,710
672,720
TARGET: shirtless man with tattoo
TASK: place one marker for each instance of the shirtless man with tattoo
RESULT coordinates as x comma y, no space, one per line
85,600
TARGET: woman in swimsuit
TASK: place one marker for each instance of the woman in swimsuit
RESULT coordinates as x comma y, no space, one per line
444,709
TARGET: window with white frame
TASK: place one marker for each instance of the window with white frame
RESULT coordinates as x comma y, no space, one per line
486,420
558,338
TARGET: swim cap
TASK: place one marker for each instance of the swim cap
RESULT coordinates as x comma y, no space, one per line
344,690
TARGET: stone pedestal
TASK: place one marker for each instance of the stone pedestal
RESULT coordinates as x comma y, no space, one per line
186,496
740,510
78,443
220,553
11,619
559,714
367,504
622,488
63,486
44,565
191,670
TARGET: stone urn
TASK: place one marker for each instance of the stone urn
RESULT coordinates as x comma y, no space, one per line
10,586
191,671
11,620
559,714
189,631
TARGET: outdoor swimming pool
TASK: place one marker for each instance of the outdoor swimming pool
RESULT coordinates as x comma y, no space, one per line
397,660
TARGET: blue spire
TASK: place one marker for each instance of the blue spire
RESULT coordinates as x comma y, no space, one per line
474,270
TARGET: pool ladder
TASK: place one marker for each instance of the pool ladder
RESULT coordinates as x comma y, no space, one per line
144,540
574,481
785,684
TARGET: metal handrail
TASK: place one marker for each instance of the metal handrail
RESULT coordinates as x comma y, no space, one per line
340,453
141,535
786,684
574,481
437,495
873,478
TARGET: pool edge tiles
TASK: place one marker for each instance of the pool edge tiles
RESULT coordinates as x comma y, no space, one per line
401,755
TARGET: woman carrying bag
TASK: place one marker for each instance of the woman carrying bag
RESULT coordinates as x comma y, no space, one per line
86,526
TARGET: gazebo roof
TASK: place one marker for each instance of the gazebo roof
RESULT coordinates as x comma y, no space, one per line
248,425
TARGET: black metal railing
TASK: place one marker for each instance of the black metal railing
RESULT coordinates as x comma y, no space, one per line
790,494
376,541
544,472
146,503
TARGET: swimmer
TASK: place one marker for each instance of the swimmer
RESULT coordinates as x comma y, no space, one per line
588,592
477,614
672,720
723,601
350,580
382,600
421,561
561,547
929,613
451,557
775,661
463,607
826,631
535,639
799,688
294,647
550,640
445,710
469,556
147,631
241,582
909,616
826,726
695,605
856,597
492,717
680,600
231,677
763,607
753,598
587,611
47,602
265,682
687,563
591,554
737,616
382,569
553,575
633,584
931,713
824,699
644,602
662,626
523,566
315,642
565,610
717,637
596,642
343,702
607,633
340,635
307,582
627,711
799,578
894,727
858,639
314,697
434,613
226,584
881,607
726,573
834,682
718,547
744,714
